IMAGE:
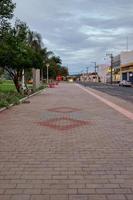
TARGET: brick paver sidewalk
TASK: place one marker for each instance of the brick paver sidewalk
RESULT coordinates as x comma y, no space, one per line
65,145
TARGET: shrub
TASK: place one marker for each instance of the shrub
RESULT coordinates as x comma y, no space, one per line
9,98
3,103
1,81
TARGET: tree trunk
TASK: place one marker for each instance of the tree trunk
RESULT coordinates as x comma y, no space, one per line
15,77
17,84
42,75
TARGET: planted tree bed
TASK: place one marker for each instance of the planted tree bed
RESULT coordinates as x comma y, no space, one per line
8,94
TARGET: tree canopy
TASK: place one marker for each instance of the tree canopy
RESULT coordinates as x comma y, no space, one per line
6,13
6,9
21,48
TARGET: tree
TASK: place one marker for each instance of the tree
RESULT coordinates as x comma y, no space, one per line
35,40
16,54
21,48
1,72
6,9
55,65
6,13
64,71
46,56
56,60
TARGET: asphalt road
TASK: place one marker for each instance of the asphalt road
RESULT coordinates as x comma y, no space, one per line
125,93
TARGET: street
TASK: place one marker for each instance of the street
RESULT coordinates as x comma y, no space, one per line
66,145
125,93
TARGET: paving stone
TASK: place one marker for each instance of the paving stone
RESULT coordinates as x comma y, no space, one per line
20,197
87,152
78,197
5,197
129,196
116,197
59,197
97,197
40,197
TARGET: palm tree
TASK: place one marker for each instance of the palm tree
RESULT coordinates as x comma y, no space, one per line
55,63
35,40
56,60
46,56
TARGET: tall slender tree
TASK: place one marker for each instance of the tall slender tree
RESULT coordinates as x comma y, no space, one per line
46,57
6,13
16,54
21,48
35,40
55,65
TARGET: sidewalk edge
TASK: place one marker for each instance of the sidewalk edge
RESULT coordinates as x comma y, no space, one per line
116,107
21,100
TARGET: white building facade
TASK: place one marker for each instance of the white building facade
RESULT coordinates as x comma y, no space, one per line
103,72
127,66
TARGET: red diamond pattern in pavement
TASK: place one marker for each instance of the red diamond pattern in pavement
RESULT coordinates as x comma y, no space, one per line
57,123
63,110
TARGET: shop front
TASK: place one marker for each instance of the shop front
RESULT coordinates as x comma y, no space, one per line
127,72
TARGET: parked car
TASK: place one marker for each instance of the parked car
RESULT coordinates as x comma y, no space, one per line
70,80
125,83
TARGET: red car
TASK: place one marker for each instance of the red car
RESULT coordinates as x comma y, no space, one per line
59,78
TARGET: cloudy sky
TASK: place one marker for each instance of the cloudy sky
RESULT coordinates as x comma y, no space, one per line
80,31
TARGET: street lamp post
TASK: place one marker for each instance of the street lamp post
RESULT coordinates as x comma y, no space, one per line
47,65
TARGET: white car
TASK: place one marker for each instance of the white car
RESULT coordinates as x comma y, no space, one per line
125,83
70,80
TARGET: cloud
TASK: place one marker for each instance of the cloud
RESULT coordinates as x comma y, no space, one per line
80,31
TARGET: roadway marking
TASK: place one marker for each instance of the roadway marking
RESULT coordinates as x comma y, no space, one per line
121,110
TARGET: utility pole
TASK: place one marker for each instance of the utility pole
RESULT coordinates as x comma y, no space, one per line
95,69
111,67
87,70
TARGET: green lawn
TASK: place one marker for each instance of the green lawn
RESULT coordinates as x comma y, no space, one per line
8,94
7,86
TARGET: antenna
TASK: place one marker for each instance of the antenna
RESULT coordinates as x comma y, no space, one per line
87,69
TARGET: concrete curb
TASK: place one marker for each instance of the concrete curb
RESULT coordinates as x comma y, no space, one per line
21,100
115,106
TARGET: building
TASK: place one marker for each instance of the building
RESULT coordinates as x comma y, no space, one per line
123,67
89,77
127,66
104,73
